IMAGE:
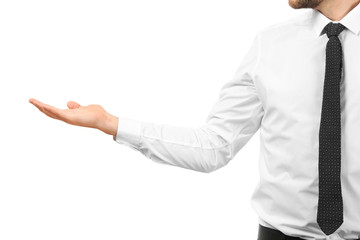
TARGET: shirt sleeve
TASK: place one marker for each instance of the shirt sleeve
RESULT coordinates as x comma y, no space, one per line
234,118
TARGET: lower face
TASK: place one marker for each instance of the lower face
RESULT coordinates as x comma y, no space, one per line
297,4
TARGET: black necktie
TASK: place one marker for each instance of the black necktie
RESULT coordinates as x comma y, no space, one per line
330,204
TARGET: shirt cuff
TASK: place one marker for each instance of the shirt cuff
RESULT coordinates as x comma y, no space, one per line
128,132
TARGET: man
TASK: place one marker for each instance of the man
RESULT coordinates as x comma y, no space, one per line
299,83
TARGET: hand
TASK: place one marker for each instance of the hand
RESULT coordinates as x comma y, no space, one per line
92,116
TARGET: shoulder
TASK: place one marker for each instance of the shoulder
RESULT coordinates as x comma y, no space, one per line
289,25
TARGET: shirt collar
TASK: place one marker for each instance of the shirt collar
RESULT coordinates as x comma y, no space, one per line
351,20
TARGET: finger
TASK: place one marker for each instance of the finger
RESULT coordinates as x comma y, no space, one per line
39,105
35,102
49,113
49,110
73,105
60,113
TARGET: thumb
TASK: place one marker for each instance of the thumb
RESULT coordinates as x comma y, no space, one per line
73,105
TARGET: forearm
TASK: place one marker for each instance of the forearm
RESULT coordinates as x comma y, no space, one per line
198,149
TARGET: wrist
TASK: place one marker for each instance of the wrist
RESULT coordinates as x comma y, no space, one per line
109,125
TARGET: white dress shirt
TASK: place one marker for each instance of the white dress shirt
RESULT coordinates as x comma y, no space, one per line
278,89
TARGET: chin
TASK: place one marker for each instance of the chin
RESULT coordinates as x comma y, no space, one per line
298,4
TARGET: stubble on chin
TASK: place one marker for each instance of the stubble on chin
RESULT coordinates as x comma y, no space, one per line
298,4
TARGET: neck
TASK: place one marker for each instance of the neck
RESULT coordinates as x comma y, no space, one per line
335,10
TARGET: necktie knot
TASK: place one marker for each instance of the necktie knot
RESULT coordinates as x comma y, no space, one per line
333,29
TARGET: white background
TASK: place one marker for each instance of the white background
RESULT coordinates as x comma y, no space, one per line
161,61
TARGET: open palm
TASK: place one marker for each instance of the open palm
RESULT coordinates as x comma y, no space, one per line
93,115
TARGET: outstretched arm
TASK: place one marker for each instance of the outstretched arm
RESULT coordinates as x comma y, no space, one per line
232,121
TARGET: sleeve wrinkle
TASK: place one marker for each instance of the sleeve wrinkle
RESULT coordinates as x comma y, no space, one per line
217,145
